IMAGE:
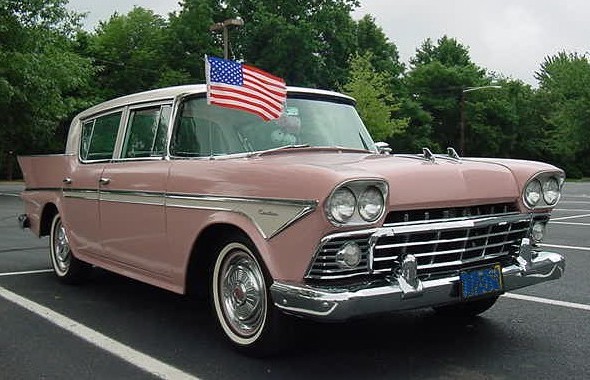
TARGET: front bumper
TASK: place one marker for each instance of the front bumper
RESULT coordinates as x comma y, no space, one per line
338,303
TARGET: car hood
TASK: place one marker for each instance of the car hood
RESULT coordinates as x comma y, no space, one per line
414,182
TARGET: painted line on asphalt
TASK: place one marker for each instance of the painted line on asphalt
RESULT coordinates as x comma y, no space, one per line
25,272
571,209
569,217
122,351
573,224
565,247
582,202
10,194
546,301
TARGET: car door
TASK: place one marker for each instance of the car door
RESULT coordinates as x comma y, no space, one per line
132,194
81,183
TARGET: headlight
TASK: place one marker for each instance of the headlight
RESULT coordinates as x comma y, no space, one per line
342,205
357,202
551,191
370,204
532,193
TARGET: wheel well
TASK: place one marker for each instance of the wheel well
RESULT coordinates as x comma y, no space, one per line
49,211
203,254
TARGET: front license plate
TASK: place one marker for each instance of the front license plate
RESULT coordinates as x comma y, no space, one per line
482,281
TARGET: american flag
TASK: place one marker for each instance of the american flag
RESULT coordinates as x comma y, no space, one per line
235,85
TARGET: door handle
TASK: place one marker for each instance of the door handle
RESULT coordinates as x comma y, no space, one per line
104,181
67,181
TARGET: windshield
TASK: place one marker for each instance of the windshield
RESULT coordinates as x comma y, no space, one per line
203,130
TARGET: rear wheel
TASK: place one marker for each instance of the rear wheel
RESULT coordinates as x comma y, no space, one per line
468,309
66,267
241,299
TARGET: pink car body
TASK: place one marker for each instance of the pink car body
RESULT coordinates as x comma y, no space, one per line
158,214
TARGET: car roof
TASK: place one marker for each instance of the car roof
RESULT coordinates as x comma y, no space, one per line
169,93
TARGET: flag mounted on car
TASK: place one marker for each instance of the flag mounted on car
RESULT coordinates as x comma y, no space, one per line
247,88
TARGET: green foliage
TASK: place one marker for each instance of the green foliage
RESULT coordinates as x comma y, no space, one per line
40,76
306,42
129,53
375,103
564,81
436,79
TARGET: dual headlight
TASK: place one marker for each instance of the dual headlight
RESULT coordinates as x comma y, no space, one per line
543,191
357,202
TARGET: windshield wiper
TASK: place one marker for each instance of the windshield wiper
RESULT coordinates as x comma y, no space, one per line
281,148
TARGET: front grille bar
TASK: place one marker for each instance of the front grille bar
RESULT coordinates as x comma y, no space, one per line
442,247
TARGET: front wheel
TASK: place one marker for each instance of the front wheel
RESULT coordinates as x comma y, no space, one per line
66,267
241,300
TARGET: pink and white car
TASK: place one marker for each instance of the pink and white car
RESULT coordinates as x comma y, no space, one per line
304,215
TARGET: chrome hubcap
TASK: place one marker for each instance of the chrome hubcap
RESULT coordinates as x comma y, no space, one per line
243,296
61,248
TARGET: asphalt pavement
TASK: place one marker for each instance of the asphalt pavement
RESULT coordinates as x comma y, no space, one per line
113,327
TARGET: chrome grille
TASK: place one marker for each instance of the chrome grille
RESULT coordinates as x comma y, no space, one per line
324,265
442,247
426,215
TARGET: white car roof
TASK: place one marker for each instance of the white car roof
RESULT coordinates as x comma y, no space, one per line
172,92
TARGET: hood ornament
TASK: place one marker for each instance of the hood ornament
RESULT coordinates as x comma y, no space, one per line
452,153
428,155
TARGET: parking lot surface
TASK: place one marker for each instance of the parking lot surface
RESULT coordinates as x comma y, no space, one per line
113,327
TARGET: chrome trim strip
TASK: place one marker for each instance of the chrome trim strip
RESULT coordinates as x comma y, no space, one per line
270,216
87,194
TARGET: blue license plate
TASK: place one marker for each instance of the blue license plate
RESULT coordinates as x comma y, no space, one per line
480,282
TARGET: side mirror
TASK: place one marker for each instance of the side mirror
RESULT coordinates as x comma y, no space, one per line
383,147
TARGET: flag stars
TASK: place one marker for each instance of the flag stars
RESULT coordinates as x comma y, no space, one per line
228,72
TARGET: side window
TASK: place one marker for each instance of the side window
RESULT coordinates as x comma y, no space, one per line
87,129
99,137
146,132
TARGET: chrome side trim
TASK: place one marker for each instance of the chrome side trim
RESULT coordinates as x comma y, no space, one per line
87,194
270,216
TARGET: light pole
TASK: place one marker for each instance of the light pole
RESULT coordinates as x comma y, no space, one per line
462,114
224,26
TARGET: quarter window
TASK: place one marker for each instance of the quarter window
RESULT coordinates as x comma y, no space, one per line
99,137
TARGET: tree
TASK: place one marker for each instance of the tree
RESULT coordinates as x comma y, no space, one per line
375,103
384,54
129,52
306,42
40,76
438,75
564,89
188,39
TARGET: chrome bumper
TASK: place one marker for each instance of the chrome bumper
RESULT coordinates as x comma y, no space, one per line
24,221
384,296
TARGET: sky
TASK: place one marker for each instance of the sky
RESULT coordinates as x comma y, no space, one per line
508,37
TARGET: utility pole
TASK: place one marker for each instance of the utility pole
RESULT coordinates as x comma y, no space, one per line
223,26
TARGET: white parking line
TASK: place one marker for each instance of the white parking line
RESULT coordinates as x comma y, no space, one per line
571,209
10,194
570,217
126,353
582,202
571,305
573,224
25,272
565,247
